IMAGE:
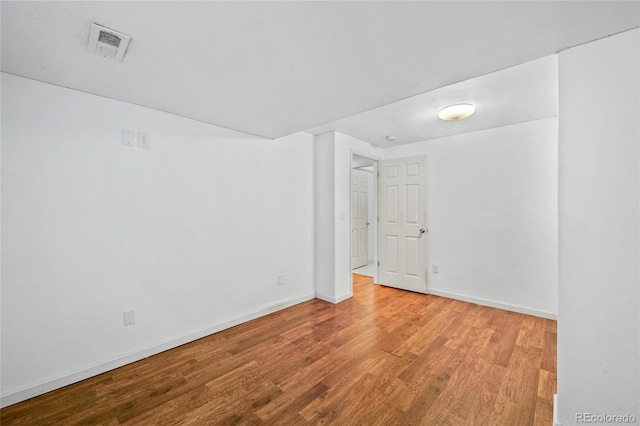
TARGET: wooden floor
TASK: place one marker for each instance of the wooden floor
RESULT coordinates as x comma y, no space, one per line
384,357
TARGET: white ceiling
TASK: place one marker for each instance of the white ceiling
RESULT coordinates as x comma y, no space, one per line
275,68
514,95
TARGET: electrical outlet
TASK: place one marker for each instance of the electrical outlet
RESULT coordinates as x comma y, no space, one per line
129,318
435,268
281,279
144,140
128,138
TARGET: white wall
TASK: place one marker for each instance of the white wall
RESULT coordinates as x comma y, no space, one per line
599,172
492,215
345,146
324,193
191,233
333,152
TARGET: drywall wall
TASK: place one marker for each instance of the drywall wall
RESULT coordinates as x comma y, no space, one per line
0,243
324,223
492,215
599,256
332,161
191,233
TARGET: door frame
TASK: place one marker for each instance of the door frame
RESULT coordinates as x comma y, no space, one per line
373,215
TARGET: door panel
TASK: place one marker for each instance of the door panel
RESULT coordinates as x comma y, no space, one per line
392,204
412,254
402,190
412,206
354,243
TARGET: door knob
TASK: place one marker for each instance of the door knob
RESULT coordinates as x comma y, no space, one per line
422,230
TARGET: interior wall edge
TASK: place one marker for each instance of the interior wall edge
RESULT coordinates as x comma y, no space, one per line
333,300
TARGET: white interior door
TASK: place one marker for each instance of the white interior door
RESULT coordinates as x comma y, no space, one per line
359,218
402,211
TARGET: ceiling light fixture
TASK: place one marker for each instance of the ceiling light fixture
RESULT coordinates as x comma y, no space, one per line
391,138
456,112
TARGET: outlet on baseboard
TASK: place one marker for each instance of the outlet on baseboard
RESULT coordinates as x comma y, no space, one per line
129,318
281,279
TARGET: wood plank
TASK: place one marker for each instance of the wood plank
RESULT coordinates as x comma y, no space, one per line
519,387
546,385
384,357
549,351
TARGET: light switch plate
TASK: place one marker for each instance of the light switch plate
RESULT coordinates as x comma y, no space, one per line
128,137
129,317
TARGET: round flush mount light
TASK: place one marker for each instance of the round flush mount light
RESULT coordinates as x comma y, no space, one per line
456,112
391,138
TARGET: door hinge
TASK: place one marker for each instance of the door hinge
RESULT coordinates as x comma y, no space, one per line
378,174
378,263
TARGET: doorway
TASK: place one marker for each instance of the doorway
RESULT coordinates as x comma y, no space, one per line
364,216
399,230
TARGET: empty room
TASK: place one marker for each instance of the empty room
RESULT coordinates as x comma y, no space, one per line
320,212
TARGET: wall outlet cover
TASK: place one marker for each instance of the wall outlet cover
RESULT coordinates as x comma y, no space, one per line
144,140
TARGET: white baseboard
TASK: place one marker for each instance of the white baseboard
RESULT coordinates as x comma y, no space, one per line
555,410
493,304
326,298
334,300
29,391
344,297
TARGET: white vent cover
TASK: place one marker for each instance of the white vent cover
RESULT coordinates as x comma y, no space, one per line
107,42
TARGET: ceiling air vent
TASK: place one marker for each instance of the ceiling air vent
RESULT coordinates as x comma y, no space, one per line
107,42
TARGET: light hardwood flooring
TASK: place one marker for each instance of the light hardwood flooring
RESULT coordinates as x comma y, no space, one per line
383,357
